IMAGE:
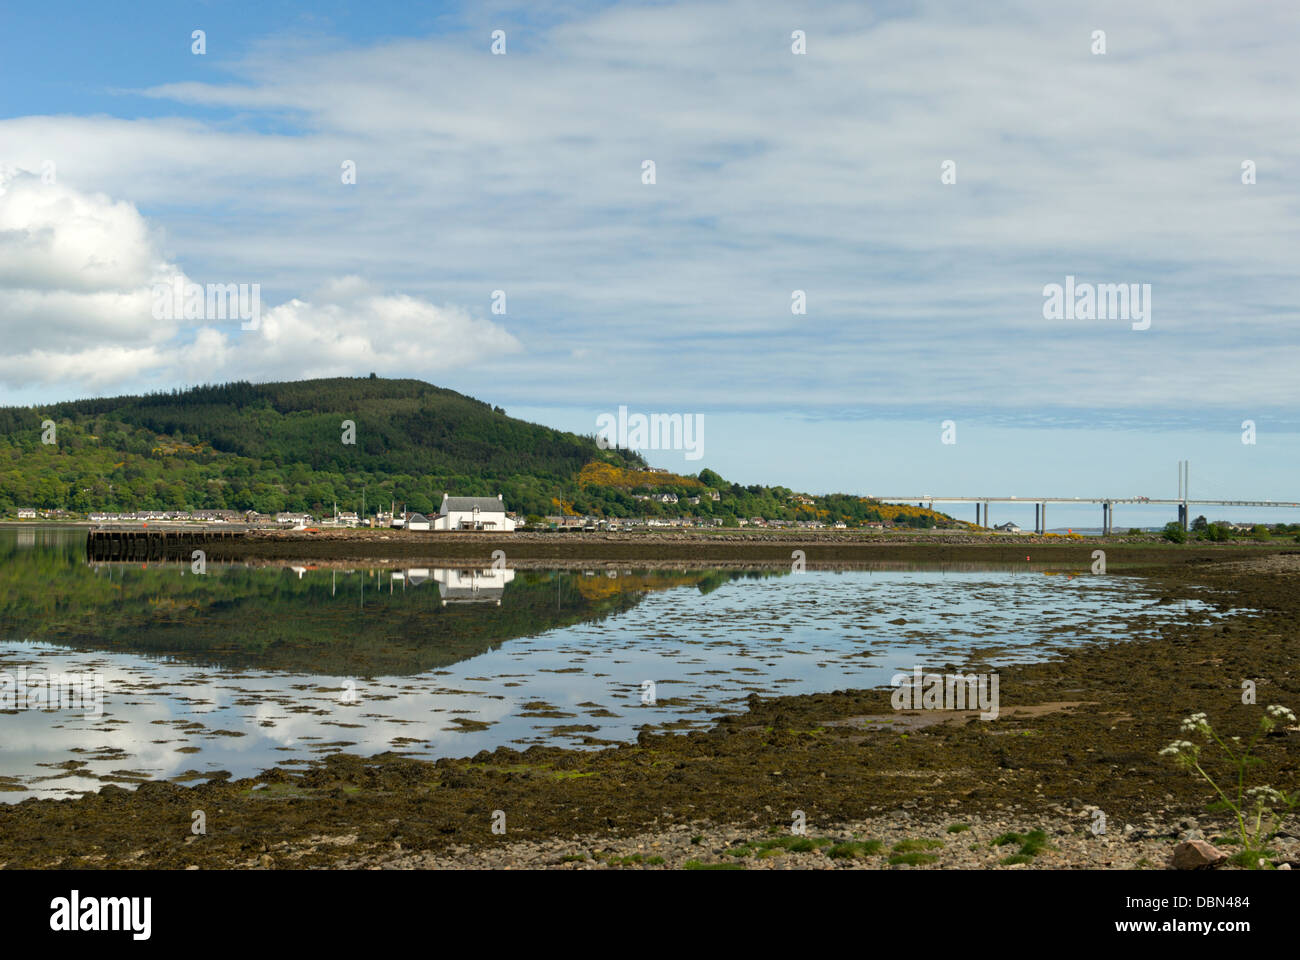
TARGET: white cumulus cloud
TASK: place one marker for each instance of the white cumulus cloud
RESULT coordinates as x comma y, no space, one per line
78,277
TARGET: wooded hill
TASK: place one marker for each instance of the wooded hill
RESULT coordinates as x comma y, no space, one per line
274,447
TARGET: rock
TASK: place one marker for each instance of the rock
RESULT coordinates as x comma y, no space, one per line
1196,855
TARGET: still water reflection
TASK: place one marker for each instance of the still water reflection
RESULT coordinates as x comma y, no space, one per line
246,667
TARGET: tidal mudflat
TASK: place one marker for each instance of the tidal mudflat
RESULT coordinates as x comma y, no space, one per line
240,669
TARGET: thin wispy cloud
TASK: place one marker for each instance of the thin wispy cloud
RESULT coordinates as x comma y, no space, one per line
775,173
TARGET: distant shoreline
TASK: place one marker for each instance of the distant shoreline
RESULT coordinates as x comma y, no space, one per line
771,549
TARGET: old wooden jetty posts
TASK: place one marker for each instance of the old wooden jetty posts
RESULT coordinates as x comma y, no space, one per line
147,545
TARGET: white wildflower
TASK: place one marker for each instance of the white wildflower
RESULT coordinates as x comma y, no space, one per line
1265,795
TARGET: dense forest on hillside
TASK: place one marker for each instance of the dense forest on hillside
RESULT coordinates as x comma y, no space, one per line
306,445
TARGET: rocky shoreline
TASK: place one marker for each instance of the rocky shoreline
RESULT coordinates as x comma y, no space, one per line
738,548
893,842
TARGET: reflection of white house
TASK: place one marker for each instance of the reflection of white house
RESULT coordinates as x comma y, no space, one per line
472,586
473,513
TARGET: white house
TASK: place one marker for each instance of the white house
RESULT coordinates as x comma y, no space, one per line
1007,527
417,521
473,513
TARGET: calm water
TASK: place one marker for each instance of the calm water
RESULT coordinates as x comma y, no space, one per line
244,668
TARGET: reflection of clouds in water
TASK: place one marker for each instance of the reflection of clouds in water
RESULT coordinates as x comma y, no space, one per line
202,695
414,713
704,652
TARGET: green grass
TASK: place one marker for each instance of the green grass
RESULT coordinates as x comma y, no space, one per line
913,859
779,845
1031,845
697,865
796,844
852,849
958,827
1250,857
916,846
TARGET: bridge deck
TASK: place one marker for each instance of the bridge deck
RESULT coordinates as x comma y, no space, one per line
1172,501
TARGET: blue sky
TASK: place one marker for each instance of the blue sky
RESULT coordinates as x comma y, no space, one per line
127,161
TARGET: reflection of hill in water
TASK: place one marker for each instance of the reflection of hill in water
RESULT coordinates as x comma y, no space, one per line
337,623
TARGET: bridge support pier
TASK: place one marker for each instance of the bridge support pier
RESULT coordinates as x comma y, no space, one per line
977,514
1105,519
986,516
1036,530
1043,516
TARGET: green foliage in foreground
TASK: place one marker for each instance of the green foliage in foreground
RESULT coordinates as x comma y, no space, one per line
1031,845
1259,811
